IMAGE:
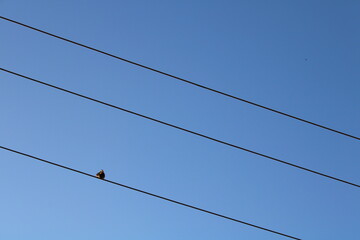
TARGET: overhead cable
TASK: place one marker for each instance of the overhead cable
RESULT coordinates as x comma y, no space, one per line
183,80
151,194
181,128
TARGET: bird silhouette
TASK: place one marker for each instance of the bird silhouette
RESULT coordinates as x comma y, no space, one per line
101,174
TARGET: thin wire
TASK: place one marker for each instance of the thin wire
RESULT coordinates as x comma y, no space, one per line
180,128
151,194
184,80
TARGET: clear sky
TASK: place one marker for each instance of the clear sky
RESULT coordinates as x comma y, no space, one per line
300,57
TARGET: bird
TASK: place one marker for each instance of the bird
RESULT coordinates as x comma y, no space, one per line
101,174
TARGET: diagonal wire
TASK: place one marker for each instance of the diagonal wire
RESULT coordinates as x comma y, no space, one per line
182,129
184,80
151,194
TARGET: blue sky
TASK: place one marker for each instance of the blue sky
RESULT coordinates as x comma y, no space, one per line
300,57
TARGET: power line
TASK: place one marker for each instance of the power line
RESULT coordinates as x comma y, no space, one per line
184,80
151,194
180,128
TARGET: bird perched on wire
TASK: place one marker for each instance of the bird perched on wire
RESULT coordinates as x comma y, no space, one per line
101,174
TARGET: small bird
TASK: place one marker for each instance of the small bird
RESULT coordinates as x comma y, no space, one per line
101,174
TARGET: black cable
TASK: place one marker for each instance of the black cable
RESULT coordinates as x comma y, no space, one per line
182,79
180,128
151,194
